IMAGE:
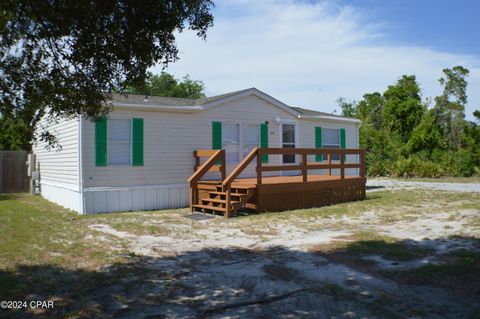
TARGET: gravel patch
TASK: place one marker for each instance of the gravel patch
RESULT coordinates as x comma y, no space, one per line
378,185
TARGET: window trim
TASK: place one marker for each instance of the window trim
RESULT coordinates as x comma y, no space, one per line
129,143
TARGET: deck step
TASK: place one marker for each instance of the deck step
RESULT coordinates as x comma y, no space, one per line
225,194
213,208
239,186
221,201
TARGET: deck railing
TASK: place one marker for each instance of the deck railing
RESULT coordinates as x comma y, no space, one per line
257,154
210,165
305,166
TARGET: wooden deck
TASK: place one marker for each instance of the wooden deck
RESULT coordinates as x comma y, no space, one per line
275,193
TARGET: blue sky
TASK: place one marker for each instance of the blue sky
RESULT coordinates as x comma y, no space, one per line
309,53
447,25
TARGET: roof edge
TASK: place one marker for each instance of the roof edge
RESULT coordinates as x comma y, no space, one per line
331,118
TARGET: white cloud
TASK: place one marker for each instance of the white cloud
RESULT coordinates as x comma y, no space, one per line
308,54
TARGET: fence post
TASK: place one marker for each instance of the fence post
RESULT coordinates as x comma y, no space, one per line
342,166
329,157
362,163
304,167
259,167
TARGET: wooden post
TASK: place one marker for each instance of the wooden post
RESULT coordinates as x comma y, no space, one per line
192,197
304,167
329,157
259,167
227,204
224,166
197,161
342,166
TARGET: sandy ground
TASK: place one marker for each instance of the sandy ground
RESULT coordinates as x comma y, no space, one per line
224,272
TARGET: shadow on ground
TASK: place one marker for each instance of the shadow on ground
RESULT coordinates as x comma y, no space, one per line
323,282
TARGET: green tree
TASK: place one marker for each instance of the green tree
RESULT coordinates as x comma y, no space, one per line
59,59
370,109
427,135
476,113
403,108
166,85
349,109
450,106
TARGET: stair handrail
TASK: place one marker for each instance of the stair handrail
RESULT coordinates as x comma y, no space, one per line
240,167
209,163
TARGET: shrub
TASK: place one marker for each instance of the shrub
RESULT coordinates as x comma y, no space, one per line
416,166
462,163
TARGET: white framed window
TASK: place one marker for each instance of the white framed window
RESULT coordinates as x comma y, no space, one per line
231,142
251,138
331,139
288,141
119,142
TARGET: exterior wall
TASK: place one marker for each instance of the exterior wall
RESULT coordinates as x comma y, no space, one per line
121,199
59,168
307,140
67,197
170,139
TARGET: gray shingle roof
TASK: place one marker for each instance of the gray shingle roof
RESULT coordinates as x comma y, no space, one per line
179,102
168,101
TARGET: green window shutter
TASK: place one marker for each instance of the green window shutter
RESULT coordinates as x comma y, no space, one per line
101,142
342,138
318,142
342,141
137,142
216,135
264,140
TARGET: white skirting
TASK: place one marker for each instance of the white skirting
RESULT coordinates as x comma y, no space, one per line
62,194
134,198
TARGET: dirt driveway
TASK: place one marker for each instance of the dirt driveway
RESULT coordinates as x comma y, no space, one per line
419,259
404,252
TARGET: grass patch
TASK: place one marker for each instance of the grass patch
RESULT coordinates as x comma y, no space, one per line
391,206
369,243
460,264
34,231
459,272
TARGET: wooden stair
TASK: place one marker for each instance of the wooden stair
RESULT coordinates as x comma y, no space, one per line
216,202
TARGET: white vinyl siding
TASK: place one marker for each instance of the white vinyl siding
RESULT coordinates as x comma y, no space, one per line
170,138
59,166
119,142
